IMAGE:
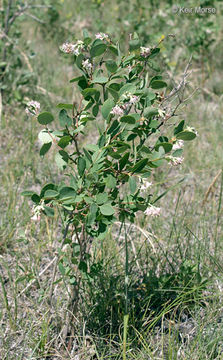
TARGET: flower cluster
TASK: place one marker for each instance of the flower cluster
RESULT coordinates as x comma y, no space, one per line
144,51
152,211
101,36
133,99
127,99
87,65
175,160
33,108
178,145
117,110
145,185
37,212
69,48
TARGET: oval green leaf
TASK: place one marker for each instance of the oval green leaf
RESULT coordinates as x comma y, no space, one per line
45,118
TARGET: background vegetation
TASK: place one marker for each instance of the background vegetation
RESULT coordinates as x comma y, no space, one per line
175,260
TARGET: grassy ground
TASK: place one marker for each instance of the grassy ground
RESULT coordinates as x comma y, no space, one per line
175,292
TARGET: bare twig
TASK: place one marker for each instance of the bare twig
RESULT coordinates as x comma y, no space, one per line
182,83
35,18
7,20
24,9
211,187
40,274
143,231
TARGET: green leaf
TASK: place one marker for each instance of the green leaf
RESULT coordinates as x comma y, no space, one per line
61,268
132,184
150,111
179,127
101,141
186,135
101,198
45,148
107,107
114,128
110,181
158,84
154,52
167,146
61,160
51,194
139,165
134,44
100,80
98,49
65,106
64,119
111,66
95,110
114,93
48,211
46,187
67,193
150,95
27,193
113,49
79,60
177,153
92,213
89,92
127,88
77,79
123,161
81,165
64,141
128,119
35,198
45,118
83,266
107,210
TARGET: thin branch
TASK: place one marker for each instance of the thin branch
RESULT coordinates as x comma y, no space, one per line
35,18
7,20
182,83
40,274
24,9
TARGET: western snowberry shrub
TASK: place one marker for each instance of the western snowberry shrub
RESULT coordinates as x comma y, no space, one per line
107,180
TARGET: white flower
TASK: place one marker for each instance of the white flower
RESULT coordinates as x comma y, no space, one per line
133,99
33,108
161,113
152,211
129,67
87,65
175,160
117,110
69,48
35,217
101,36
178,145
36,210
145,185
144,51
